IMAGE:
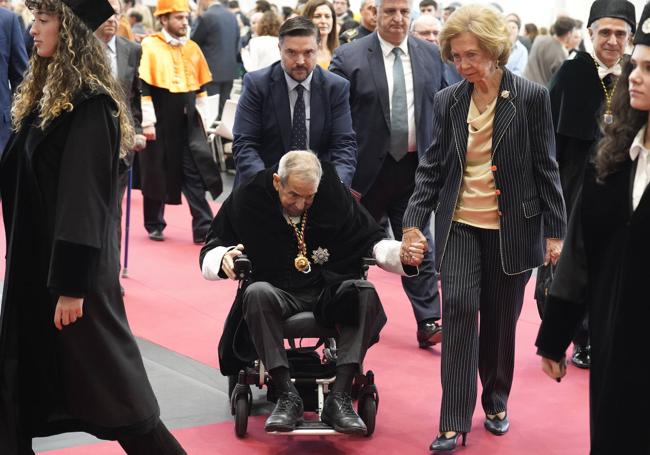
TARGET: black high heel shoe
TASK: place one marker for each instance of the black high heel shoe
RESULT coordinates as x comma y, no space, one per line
443,444
496,425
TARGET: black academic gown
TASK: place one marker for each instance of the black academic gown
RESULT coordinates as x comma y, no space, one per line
178,127
59,189
252,216
604,266
577,98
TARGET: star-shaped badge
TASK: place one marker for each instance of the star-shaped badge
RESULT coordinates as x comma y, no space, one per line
320,256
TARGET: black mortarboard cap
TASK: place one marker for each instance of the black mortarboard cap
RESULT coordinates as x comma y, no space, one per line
618,9
93,13
642,36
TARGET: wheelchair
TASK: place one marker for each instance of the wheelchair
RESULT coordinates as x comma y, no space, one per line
312,372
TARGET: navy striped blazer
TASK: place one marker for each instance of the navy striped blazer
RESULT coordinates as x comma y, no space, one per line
524,166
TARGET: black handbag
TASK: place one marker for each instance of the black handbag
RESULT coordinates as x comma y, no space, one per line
545,275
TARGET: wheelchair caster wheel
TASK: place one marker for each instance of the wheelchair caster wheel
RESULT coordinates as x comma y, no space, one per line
242,410
367,409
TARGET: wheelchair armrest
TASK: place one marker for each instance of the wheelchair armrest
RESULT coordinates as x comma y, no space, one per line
367,261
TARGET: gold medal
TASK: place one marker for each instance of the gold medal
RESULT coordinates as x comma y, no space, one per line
301,263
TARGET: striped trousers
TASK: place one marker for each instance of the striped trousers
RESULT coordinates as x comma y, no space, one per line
474,283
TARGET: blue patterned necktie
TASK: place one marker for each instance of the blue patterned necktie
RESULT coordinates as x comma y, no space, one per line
399,127
298,124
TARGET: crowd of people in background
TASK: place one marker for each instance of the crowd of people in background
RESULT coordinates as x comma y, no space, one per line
258,31
367,91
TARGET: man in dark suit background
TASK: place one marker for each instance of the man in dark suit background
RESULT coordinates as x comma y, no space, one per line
13,63
124,57
273,118
217,34
393,78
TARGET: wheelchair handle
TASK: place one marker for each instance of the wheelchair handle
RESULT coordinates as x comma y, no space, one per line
242,267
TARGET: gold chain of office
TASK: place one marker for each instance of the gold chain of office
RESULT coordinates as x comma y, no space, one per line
608,115
301,263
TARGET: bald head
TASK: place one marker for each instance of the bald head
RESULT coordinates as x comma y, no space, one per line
426,27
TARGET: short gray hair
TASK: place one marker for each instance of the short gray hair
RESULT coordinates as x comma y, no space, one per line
301,163
426,18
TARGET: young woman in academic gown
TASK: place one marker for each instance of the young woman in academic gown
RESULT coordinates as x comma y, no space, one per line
68,360
604,264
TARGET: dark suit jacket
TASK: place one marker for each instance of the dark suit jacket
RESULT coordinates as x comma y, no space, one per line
262,131
525,170
217,34
13,63
362,63
128,61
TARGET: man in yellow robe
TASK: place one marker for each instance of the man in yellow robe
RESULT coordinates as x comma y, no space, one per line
178,159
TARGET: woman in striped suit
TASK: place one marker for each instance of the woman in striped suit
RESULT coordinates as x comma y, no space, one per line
491,178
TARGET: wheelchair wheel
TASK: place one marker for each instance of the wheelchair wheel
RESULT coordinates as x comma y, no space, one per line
242,409
367,409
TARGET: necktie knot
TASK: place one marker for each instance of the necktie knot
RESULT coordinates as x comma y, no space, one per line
397,51
300,89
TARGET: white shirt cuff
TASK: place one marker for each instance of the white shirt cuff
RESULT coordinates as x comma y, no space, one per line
212,263
386,253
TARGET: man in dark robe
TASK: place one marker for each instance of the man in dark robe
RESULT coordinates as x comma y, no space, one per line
178,158
366,26
581,94
298,211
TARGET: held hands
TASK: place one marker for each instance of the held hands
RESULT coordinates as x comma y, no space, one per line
554,370
149,132
553,250
228,261
67,311
414,245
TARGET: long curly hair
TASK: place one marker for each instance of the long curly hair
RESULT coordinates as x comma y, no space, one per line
614,147
79,63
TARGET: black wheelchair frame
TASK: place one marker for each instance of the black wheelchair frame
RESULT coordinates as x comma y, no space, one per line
313,388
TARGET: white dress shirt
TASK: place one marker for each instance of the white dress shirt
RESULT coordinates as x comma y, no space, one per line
293,96
389,60
639,152
111,53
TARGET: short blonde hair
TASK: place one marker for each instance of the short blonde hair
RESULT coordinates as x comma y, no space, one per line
486,24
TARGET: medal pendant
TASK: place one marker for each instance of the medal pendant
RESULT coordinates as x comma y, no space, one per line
302,264
608,118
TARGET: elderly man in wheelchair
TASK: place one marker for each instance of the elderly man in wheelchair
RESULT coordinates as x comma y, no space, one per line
305,237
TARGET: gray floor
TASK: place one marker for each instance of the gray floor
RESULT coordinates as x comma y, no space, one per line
189,393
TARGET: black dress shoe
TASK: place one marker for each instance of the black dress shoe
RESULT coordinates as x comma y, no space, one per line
581,356
339,414
496,425
429,334
156,235
286,414
442,444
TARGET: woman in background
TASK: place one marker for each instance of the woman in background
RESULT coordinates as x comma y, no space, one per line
262,50
321,13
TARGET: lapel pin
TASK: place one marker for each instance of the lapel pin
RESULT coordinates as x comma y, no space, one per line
505,94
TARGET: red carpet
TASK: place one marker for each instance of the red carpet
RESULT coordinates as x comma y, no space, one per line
169,303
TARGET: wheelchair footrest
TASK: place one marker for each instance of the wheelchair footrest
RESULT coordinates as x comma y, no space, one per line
310,428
